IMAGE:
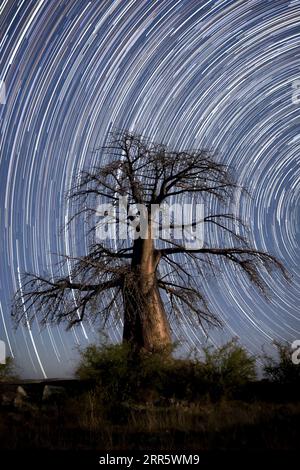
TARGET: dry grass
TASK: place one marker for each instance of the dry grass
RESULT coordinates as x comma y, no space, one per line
84,423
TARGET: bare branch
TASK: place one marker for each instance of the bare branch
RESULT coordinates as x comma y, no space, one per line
124,276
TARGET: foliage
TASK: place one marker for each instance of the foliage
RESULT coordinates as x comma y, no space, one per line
282,369
125,376
230,364
120,373
7,370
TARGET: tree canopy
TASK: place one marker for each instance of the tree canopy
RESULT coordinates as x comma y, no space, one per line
137,276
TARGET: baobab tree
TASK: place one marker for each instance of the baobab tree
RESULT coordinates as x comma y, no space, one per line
146,275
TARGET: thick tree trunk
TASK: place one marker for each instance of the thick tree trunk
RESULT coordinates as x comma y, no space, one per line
145,323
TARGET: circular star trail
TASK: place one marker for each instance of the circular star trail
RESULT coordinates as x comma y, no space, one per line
217,74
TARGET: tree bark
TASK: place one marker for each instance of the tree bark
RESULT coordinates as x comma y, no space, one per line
145,322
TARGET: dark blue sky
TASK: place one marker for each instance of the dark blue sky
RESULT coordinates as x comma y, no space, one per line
221,74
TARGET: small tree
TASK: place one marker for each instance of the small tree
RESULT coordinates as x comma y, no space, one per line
7,370
122,375
230,364
282,369
142,279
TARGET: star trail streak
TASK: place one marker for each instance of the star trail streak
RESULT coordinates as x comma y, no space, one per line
190,73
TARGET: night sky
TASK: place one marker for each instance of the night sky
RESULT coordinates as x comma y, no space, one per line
189,73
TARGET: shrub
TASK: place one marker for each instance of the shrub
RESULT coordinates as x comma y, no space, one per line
107,365
230,364
224,369
282,369
7,370
120,373
124,376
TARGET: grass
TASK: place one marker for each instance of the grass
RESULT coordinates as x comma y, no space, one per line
158,403
81,423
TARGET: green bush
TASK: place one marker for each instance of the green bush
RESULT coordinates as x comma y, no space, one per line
282,369
226,368
108,366
230,364
123,376
7,370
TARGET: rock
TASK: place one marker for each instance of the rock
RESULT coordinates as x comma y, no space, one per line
21,392
20,398
52,392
